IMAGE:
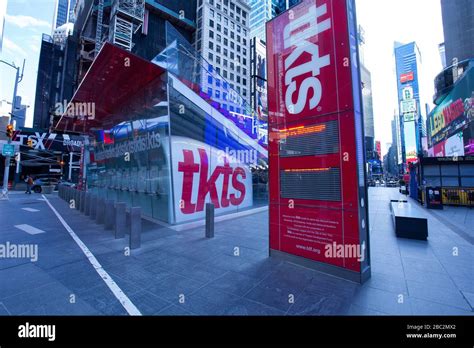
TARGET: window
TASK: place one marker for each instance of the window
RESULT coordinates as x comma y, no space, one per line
225,10
218,6
209,79
237,19
210,56
244,92
238,68
226,31
238,89
218,49
218,94
211,2
218,83
238,79
238,10
238,38
219,17
232,6
244,51
219,38
244,14
232,76
245,32
232,45
218,70
244,61
225,74
224,96
232,36
218,59
232,15
226,21
209,91
211,34
219,27
211,45
244,81
211,23
225,62
238,48
244,71
232,25
232,65
226,42
226,2
225,52
231,55
239,28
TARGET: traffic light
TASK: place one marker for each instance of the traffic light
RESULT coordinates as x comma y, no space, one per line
29,143
10,131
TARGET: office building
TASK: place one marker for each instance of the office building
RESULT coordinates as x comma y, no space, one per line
63,13
408,63
458,26
223,39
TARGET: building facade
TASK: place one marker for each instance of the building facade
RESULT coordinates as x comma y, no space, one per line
408,63
64,13
3,12
458,26
223,39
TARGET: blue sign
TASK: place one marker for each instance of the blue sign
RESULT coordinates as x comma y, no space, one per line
8,150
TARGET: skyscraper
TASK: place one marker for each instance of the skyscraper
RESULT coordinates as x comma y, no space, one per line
64,12
458,26
408,62
223,40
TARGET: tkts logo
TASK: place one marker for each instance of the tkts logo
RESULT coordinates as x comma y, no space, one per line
226,184
299,35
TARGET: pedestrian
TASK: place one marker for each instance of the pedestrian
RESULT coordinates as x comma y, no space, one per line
29,184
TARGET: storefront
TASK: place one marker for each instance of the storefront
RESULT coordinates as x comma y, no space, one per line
449,162
157,141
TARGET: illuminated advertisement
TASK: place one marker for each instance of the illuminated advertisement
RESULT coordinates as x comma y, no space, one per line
450,124
259,71
407,77
316,149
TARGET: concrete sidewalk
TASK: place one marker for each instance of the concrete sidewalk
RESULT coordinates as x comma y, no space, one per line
182,273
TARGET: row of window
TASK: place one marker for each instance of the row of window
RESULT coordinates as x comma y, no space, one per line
236,78
232,27
226,6
226,43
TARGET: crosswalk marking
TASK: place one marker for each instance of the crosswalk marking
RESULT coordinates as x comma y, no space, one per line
30,210
29,229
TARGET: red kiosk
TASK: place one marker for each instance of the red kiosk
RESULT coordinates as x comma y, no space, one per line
318,194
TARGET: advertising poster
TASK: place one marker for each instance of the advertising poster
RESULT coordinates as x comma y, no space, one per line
450,124
318,209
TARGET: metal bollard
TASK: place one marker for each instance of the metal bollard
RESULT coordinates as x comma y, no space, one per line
109,214
209,220
120,219
135,227
87,204
93,213
83,201
100,218
77,199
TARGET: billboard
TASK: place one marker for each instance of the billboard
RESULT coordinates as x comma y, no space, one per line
407,77
316,148
259,76
450,124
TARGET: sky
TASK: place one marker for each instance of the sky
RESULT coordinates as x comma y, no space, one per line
384,22
25,22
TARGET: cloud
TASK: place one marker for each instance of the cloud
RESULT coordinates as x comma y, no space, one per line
26,21
13,47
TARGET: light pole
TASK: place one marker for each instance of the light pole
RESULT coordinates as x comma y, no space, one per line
18,79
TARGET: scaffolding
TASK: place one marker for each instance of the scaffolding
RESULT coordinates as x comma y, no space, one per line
126,19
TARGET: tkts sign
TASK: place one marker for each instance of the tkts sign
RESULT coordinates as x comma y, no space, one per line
317,192
203,174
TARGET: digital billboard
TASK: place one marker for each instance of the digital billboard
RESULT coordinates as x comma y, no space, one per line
316,146
450,124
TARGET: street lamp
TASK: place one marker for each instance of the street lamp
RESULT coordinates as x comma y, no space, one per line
18,79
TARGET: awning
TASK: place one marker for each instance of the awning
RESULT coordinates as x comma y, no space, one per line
110,90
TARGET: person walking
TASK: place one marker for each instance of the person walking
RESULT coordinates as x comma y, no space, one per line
29,184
